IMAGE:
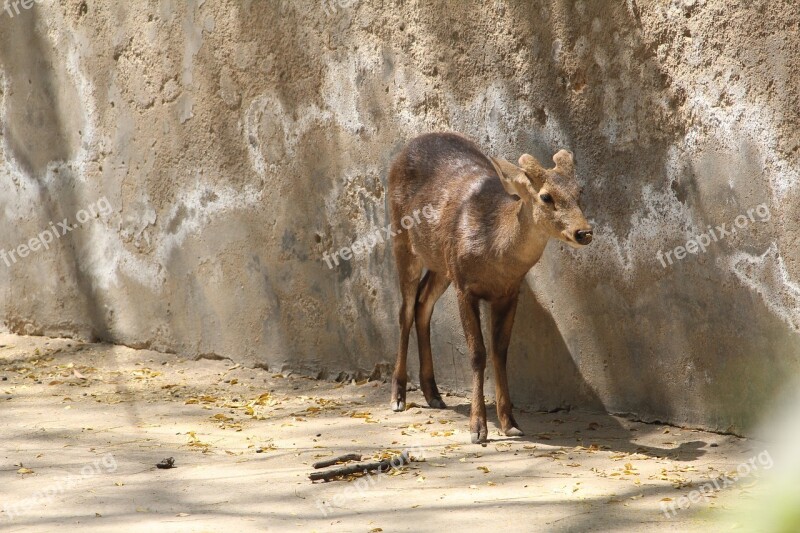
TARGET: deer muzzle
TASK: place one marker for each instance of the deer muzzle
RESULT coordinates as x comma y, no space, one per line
584,236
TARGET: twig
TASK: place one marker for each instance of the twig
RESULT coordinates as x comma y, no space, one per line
381,466
343,459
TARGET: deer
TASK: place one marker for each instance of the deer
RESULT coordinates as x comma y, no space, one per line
493,220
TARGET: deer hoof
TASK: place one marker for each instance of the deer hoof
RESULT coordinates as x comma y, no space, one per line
437,403
478,438
398,406
514,432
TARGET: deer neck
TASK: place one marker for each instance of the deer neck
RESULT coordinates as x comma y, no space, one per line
525,239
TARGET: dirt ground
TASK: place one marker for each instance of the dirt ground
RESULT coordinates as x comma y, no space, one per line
84,426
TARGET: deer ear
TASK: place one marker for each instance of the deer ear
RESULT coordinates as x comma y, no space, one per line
533,169
512,177
565,162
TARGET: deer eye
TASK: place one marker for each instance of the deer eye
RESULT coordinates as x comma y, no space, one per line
546,198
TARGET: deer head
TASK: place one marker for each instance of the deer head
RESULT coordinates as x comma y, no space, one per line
551,197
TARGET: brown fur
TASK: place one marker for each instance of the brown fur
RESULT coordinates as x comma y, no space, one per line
491,228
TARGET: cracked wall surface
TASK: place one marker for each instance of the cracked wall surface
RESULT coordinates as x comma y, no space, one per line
238,141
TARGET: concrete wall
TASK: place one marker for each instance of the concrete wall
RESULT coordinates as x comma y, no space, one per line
237,141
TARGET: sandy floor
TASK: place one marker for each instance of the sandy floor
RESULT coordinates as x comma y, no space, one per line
84,426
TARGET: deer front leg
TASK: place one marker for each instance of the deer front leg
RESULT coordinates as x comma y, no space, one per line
503,312
469,309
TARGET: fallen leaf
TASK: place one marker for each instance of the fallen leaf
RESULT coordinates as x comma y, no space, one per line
262,399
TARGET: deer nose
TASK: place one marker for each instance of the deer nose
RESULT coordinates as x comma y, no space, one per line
583,236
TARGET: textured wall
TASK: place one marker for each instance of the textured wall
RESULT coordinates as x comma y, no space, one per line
237,141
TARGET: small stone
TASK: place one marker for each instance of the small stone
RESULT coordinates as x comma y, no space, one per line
169,462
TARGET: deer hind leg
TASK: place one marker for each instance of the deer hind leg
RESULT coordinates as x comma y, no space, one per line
468,306
432,287
503,312
409,269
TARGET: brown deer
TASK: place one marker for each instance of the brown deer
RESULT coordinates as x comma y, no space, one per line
493,220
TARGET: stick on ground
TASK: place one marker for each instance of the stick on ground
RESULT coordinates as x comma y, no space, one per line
343,459
381,466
